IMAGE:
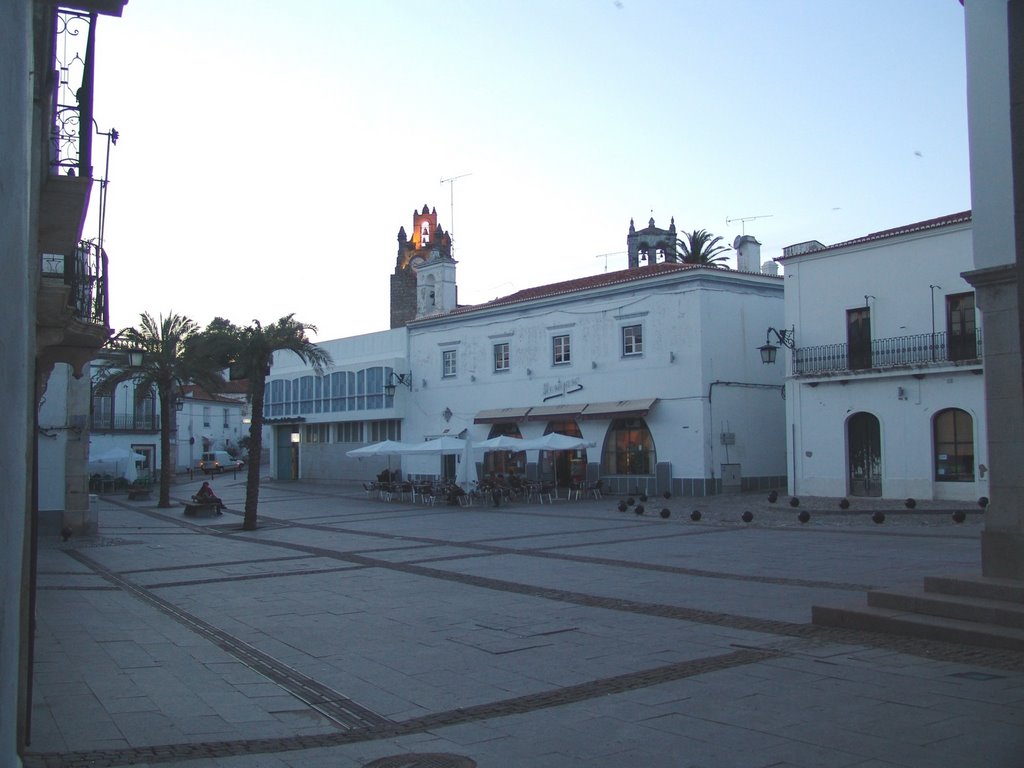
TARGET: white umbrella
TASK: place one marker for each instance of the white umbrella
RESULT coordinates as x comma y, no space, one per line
555,441
441,446
384,448
116,458
502,443
465,474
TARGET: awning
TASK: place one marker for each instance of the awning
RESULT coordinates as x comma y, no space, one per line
618,409
500,415
549,412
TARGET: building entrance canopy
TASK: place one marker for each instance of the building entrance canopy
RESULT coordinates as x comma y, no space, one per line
609,410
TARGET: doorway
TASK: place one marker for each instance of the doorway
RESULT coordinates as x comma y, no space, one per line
864,443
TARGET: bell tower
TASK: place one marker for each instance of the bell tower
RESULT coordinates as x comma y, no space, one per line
427,242
651,244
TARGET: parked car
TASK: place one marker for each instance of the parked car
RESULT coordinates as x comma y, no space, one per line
218,461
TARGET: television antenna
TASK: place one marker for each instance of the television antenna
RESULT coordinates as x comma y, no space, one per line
744,219
450,181
606,255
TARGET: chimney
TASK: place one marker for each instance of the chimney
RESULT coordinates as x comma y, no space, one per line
748,253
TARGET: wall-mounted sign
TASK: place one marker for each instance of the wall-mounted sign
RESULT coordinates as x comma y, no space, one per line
561,387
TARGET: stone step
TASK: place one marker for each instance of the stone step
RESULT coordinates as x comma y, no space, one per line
957,606
899,622
1007,590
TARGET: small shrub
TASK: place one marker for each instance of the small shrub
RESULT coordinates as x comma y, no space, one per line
643,497
639,509
983,502
748,516
665,513
695,515
794,502
959,516
878,517
910,503
623,506
773,497
804,516
667,494
630,501
844,503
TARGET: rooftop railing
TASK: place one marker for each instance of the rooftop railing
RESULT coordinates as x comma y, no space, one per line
919,349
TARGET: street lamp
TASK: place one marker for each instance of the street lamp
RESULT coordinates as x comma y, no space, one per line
394,380
769,350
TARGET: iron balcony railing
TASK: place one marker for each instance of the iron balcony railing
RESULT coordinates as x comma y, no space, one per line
125,422
85,273
919,349
71,132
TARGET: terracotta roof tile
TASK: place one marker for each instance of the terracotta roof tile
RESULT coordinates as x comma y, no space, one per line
581,284
941,221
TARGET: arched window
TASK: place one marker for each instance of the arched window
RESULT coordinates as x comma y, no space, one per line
953,431
628,449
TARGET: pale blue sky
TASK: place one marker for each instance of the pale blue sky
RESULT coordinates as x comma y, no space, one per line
270,151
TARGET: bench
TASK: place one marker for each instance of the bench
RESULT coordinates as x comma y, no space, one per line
138,492
196,509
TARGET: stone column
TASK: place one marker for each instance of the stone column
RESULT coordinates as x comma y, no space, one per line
1002,541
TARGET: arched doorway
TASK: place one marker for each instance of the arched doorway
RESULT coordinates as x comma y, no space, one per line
864,447
564,468
953,435
505,463
628,449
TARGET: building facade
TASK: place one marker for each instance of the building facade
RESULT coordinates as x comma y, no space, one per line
54,309
886,394
655,366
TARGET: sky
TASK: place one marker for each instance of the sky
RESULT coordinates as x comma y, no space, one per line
269,152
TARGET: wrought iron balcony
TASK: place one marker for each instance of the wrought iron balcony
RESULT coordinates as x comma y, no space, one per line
125,422
71,131
918,350
83,275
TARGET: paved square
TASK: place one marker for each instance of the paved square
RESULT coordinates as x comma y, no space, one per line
347,630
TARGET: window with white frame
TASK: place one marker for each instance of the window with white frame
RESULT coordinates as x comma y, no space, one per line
560,351
318,433
448,363
206,415
385,429
501,359
632,340
349,432
227,422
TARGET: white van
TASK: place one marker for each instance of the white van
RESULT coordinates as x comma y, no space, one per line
218,461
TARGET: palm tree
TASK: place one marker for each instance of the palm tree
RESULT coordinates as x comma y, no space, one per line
169,360
701,247
249,351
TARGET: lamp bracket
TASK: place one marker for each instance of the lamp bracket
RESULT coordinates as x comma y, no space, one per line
786,338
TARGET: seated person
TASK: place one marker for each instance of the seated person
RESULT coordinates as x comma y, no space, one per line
205,495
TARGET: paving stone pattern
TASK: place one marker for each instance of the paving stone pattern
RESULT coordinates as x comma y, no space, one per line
348,631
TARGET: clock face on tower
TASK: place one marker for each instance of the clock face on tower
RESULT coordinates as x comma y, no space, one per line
416,262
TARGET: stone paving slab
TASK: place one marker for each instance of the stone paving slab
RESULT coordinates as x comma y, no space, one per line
345,630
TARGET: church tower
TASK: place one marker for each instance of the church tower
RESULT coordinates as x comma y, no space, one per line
651,244
428,243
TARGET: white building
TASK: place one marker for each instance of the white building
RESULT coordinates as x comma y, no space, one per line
886,393
207,422
656,366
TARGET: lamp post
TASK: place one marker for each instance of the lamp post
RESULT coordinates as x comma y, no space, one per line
295,454
769,351
394,380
